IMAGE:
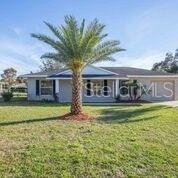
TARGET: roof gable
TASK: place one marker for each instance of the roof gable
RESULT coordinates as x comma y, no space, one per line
90,70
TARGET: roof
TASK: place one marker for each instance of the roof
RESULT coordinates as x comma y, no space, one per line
117,72
45,73
125,71
84,76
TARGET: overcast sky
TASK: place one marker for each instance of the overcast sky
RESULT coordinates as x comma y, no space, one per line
147,29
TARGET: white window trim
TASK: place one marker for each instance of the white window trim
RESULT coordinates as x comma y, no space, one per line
101,82
46,87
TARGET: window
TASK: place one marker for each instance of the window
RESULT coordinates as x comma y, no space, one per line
96,87
123,87
46,87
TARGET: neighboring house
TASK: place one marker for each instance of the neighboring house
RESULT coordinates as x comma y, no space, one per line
2,87
20,87
57,84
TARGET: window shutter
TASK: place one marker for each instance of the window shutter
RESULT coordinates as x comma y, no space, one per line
37,87
88,88
54,87
105,87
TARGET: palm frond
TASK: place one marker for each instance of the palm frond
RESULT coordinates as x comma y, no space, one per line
71,31
82,27
76,42
56,31
46,39
104,51
92,37
55,57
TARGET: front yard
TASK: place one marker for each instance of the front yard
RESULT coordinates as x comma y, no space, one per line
123,141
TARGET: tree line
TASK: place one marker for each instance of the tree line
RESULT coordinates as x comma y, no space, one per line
168,64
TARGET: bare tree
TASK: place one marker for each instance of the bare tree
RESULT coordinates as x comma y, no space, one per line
9,77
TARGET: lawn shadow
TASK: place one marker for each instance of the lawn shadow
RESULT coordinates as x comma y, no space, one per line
30,121
31,104
112,104
125,115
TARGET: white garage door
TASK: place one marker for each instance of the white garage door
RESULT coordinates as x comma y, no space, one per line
163,91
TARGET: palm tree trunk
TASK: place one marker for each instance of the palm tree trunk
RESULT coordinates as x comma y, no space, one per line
76,106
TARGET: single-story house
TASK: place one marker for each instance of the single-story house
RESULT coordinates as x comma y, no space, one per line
56,85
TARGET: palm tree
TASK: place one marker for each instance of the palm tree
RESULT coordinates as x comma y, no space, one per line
76,46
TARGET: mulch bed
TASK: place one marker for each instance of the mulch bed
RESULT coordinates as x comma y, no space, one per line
77,117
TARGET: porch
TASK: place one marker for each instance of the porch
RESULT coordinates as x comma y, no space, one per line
95,90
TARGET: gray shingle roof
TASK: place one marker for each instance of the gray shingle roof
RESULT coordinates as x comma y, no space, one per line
84,76
49,73
120,71
124,71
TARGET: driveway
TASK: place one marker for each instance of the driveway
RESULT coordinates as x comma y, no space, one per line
169,103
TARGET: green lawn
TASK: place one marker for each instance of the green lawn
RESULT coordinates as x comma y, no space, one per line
124,141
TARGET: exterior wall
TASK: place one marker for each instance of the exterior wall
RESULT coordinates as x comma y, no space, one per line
176,89
160,91
65,93
101,99
31,90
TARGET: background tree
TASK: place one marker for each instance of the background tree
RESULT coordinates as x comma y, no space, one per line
169,64
20,80
176,54
50,65
9,77
76,46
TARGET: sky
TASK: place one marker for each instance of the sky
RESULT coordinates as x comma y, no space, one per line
147,29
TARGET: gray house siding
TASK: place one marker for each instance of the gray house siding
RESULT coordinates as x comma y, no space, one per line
102,98
65,93
156,87
31,89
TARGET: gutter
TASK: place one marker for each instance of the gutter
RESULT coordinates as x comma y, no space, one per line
153,76
98,78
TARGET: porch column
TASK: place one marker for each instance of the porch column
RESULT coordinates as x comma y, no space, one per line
117,87
57,86
175,90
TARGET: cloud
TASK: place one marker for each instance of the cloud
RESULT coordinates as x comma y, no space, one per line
145,61
21,55
18,31
152,27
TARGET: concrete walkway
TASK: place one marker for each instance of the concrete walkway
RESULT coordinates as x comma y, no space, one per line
168,103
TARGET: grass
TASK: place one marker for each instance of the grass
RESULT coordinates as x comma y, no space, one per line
124,141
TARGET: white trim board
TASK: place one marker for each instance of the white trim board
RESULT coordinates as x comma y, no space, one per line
153,76
104,70
97,78
87,67
35,76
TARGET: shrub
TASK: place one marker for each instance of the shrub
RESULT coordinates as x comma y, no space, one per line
118,98
7,96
